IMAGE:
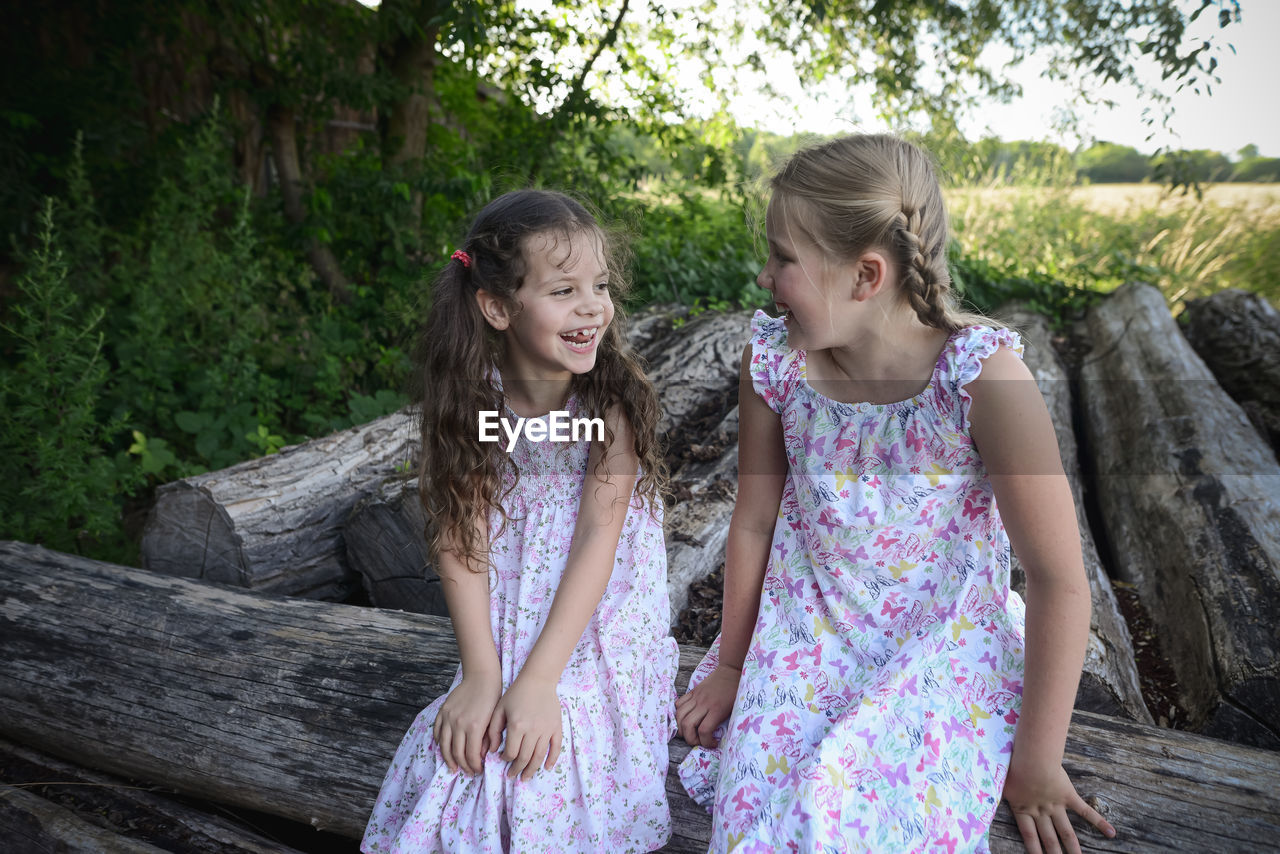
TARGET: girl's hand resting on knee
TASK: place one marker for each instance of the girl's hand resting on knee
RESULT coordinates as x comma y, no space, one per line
530,713
460,727
708,705
1039,798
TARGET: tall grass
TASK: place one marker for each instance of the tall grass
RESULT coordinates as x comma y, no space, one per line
1187,247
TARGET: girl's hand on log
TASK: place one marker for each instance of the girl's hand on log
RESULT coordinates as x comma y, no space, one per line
708,705
461,725
1039,798
530,713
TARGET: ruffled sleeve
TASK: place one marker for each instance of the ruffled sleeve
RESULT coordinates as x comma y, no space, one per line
774,365
965,354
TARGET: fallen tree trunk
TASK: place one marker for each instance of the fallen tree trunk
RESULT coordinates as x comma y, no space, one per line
274,524
694,369
1109,684
32,825
1189,492
1238,336
121,814
294,708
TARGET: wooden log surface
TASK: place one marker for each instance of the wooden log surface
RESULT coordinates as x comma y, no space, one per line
1188,491
696,526
1237,334
1109,683
121,815
31,825
274,524
294,707
694,367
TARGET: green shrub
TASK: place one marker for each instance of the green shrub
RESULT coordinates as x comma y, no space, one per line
60,485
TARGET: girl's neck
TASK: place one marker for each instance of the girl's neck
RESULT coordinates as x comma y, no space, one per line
889,362
530,395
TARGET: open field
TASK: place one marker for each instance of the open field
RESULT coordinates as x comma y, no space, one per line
1098,237
1120,199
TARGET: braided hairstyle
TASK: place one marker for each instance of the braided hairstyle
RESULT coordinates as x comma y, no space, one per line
876,191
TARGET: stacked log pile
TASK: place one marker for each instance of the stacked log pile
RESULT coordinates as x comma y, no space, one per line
1189,493
294,708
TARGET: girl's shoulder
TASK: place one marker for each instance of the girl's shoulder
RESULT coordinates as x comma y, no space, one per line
774,366
962,360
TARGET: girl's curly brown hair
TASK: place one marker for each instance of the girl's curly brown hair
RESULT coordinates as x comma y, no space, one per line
457,353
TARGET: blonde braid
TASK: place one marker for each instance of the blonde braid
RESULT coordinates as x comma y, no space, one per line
926,294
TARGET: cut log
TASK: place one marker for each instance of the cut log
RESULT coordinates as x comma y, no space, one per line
1238,336
1109,683
123,811
694,369
1188,491
274,524
295,707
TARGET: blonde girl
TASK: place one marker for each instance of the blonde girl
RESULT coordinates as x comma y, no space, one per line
881,683
554,735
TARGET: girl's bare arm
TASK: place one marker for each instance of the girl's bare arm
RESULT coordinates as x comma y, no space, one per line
460,727
1011,428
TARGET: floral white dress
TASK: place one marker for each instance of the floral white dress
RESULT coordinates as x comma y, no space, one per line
607,790
879,695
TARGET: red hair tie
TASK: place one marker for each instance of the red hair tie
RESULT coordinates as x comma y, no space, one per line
462,256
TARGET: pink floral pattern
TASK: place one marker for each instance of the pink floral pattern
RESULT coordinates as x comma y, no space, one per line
607,791
879,697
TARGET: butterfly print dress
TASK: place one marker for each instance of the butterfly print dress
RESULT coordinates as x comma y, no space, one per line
607,791
879,695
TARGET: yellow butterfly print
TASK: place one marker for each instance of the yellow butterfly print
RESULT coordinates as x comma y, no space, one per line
823,624
931,800
777,763
935,473
961,625
903,566
976,714
846,476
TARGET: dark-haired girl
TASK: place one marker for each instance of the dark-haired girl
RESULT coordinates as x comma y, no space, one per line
547,536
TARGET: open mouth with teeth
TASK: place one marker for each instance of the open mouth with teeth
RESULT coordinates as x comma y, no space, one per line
784,310
580,340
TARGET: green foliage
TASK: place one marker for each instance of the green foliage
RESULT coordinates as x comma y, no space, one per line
697,249
61,485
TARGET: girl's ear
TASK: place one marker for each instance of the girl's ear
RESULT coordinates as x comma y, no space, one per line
871,272
493,309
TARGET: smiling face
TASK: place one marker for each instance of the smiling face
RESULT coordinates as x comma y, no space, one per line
804,283
564,306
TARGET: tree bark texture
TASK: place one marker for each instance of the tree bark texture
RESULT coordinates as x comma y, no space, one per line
121,813
1109,684
1188,491
295,707
1238,336
275,523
